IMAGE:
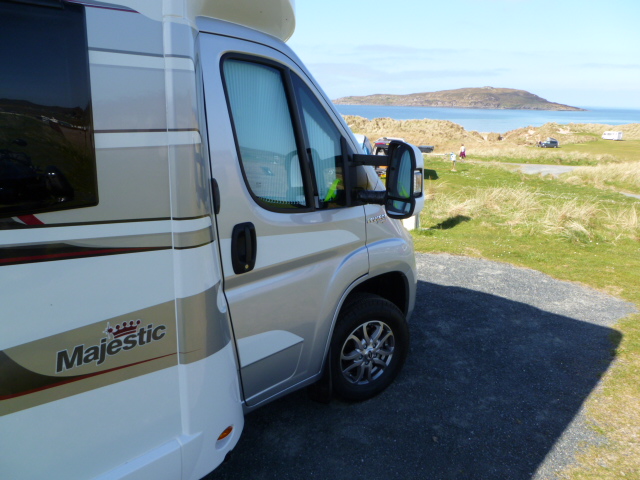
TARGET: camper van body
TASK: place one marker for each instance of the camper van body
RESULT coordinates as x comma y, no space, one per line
156,282
612,135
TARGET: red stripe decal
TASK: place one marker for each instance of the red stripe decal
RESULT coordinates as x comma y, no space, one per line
89,253
30,220
81,377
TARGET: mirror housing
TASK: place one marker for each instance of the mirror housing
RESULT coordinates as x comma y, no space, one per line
404,184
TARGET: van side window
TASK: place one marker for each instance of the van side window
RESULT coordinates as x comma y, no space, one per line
323,139
265,134
47,156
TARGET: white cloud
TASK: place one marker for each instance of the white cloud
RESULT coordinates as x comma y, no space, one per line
629,66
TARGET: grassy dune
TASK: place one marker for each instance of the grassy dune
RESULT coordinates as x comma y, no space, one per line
624,177
580,143
576,227
418,132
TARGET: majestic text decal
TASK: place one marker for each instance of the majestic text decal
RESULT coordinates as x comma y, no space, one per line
377,219
118,339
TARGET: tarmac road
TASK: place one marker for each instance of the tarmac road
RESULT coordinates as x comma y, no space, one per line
501,362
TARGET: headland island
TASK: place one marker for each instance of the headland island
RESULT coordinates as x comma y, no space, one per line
484,97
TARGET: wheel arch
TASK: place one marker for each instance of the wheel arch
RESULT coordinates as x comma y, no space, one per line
392,286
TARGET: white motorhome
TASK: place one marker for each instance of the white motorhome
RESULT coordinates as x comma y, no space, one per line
188,230
612,135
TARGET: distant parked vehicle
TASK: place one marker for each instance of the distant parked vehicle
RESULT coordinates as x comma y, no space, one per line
610,135
426,148
382,145
549,143
364,143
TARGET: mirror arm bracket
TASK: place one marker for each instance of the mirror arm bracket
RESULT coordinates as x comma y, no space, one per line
377,197
373,160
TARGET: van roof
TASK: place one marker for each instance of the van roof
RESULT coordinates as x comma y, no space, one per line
274,17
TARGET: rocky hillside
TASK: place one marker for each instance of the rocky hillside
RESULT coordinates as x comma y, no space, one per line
485,97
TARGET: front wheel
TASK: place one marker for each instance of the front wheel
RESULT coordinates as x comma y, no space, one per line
368,348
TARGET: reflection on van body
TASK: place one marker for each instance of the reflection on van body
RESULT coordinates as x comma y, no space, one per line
47,160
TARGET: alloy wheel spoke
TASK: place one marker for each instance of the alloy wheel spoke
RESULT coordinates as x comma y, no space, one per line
380,363
354,339
358,374
385,352
386,338
368,369
354,355
365,335
376,333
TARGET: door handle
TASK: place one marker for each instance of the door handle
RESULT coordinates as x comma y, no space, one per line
243,247
215,190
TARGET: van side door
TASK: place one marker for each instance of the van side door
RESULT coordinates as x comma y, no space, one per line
290,243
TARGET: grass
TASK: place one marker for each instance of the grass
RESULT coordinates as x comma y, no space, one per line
596,152
545,156
623,177
575,228
626,150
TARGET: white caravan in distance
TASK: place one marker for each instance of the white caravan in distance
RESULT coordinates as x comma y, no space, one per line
612,135
188,230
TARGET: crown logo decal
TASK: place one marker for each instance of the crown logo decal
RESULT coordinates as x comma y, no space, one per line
123,329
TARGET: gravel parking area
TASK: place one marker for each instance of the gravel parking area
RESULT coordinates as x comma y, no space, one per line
501,362
534,169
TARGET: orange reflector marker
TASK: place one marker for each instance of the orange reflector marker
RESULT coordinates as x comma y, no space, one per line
227,431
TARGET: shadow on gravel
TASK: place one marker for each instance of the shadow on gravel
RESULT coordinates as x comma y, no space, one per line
488,388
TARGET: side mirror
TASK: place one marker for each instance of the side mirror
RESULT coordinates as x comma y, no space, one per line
404,180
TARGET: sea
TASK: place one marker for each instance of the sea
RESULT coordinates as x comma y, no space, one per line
499,121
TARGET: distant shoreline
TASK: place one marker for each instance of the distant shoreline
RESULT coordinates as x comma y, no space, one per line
494,120
573,109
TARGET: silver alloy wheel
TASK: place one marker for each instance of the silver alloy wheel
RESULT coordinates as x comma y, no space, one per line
366,352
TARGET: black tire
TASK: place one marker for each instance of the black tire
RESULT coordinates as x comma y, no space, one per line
368,349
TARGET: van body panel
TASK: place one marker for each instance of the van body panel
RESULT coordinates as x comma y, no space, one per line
312,257
56,309
128,342
161,462
146,252
274,17
390,248
143,107
211,402
101,415
100,31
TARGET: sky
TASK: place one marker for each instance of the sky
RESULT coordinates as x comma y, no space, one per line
583,53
